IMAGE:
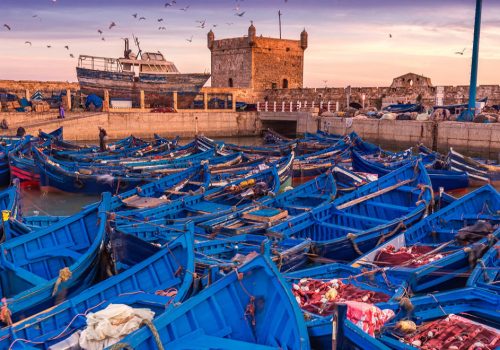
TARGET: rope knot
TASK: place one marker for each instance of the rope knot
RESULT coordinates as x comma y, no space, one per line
406,304
64,275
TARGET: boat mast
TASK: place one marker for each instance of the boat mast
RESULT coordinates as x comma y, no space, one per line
475,57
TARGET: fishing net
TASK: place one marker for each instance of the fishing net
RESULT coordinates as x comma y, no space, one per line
454,333
319,297
408,256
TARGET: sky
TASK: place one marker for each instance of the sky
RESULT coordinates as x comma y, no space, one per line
349,40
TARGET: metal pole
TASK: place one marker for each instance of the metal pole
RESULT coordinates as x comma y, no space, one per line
475,58
279,18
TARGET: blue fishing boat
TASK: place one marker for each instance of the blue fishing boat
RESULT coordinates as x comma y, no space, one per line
201,207
441,249
71,178
480,172
448,179
39,268
443,320
250,308
350,284
7,143
486,274
357,222
9,209
158,282
270,211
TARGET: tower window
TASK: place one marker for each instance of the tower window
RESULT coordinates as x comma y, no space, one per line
230,82
285,83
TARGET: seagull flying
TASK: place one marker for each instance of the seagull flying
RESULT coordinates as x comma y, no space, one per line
113,24
185,8
240,14
49,46
66,47
7,26
28,42
134,15
460,52
190,39
171,3
160,19
142,18
71,55
99,31
162,28
390,35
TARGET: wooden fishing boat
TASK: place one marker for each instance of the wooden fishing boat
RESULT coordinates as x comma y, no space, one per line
40,268
157,282
9,208
7,143
250,308
67,178
445,320
310,286
270,211
357,222
448,179
486,274
201,207
442,248
193,180
479,172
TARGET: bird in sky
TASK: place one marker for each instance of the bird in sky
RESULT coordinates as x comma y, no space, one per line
185,8
103,39
162,28
171,3
49,46
202,23
190,39
160,19
99,31
28,42
135,15
390,35
240,14
7,26
71,55
66,47
460,52
142,18
113,24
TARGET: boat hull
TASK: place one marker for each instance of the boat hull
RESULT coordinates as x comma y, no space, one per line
125,85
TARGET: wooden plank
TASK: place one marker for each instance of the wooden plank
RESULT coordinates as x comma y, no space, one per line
249,216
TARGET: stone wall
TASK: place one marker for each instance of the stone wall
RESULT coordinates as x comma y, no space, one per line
119,125
231,59
277,60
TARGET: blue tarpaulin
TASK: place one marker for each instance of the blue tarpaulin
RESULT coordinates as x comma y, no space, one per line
93,99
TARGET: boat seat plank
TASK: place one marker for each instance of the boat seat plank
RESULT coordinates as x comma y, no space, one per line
389,206
53,253
138,202
363,217
339,227
24,274
199,340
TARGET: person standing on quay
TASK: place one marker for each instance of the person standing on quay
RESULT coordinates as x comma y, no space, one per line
61,112
103,138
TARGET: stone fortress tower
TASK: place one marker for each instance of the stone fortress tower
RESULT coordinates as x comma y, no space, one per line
257,62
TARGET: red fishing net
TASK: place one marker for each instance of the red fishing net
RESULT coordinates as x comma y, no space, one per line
319,297
454,333
409,256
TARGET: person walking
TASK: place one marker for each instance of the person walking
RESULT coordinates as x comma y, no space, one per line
103,138
61,112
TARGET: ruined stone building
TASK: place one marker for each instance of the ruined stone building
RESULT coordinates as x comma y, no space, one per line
256,62
410,80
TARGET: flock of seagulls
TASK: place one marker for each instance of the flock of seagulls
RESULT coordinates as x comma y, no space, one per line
200,23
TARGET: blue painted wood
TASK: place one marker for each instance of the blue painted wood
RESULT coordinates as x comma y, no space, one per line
218,317
169,268
30,265
486,274
335,231
438,229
